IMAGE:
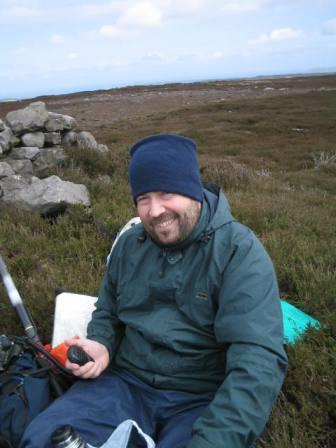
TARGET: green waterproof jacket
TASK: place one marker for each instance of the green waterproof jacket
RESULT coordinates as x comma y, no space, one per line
201,317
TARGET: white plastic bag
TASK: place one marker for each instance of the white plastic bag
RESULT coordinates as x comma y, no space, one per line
122,434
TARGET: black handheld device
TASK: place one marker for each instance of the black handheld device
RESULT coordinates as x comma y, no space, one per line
78,356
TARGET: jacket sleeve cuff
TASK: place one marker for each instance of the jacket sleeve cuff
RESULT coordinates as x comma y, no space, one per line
103,342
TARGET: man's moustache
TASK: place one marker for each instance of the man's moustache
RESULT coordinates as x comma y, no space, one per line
163,218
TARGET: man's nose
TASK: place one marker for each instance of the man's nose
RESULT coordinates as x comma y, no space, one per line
156,208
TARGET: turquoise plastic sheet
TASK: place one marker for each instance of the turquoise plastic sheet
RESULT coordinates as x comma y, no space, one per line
296,322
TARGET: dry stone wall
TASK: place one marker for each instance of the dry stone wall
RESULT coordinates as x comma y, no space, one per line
33,142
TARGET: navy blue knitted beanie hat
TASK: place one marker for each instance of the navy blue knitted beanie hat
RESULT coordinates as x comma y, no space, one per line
165,162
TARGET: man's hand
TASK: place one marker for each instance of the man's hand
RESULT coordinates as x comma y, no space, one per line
98,353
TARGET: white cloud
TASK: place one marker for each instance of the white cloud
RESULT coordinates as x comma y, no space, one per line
72,56
131,16
284,34
242,6
154,57
57,39
178,8
119,62
21,13
108,64
216,55
200,56
277,35
102,9
28,12
109,31
329,28
22,50
142,14
135,16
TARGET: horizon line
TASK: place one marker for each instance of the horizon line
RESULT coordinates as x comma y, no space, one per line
153,84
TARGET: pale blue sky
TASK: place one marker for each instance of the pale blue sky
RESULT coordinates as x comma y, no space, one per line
51,47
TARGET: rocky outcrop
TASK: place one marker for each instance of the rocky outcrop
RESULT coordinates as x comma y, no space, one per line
86,140
29,119
7,140
33,139
59,122
5,170
33,142
46,196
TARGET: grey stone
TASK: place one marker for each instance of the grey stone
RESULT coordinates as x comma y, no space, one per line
5,170
29,119
47,160
21,166
59,122
25,152
52,138
102,148
86,140
6,139
50,195
69,122
33,139
30,150
69,138
54,123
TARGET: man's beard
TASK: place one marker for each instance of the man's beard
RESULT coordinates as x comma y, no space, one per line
184,224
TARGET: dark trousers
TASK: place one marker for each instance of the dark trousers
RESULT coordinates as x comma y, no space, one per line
96,407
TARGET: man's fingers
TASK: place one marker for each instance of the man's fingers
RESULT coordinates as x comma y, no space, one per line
75,341
92,371
82,371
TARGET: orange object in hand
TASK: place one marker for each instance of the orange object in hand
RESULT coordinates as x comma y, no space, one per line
60,352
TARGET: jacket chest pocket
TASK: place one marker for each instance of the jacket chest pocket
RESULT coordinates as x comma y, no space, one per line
199,305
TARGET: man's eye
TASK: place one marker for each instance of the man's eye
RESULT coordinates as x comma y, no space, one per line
168,196
141,199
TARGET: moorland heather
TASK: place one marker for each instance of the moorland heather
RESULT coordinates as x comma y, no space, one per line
266,151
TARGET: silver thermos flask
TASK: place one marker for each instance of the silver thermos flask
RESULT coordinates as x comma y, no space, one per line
67,437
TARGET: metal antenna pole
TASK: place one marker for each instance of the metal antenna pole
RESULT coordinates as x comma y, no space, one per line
16,301
27,321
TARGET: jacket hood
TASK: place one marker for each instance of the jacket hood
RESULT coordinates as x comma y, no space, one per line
220,212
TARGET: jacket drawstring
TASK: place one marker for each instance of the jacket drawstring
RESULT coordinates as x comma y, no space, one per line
205,237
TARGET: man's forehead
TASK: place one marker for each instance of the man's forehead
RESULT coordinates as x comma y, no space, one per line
162,193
